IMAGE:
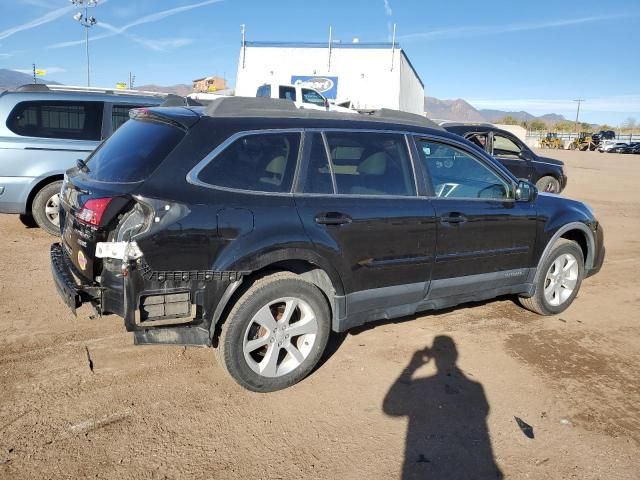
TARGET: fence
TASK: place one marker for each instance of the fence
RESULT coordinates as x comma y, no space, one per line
533,138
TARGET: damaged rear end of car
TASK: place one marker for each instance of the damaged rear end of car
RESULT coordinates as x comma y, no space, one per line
108,223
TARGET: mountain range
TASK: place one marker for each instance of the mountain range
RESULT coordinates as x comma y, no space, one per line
456,110
462,111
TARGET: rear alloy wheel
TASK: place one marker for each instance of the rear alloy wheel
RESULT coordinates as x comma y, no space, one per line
560,278
548,184
45,208
275,333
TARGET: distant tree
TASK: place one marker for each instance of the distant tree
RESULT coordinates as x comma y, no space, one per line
629,124
536,125
585,127
509,120
605,126
564,126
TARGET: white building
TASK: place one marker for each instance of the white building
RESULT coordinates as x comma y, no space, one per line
371,75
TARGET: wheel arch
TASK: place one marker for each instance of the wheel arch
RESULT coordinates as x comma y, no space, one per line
577,232
308,265
39,186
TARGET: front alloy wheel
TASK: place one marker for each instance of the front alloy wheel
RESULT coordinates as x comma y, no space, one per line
559,280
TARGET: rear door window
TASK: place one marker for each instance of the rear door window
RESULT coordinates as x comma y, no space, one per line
133,152
371,163
57,119
260,162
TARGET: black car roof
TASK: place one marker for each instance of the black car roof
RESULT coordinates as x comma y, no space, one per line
282,112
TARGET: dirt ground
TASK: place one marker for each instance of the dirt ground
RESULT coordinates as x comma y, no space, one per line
78,400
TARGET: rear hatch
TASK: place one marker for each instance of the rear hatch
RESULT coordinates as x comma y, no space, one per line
99,195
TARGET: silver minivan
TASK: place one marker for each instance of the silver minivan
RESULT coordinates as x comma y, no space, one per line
44,130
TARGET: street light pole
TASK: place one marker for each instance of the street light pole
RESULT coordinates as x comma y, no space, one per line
579,100
87,22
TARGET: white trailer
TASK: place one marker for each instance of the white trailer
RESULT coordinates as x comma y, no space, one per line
370,75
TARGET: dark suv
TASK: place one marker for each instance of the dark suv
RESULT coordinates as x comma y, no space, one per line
258,228
547,173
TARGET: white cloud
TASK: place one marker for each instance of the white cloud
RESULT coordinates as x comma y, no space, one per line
477,30
49,70
387,8
154,17
46,18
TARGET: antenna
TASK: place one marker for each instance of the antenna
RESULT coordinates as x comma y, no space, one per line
244,46
393,46
330,41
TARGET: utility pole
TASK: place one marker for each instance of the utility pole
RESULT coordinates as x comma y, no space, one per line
132,80
35,80
87,22
579,100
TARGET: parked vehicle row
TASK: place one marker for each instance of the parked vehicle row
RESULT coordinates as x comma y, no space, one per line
44,131
621,147
259,228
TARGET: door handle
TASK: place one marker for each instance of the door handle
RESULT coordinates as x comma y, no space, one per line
453,217
333,218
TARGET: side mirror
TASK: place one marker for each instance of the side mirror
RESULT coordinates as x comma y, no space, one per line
526,191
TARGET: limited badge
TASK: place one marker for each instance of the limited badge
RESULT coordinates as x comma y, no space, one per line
82,260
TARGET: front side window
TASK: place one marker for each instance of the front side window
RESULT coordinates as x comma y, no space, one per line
57,119
505,146
370,163
311,96
456,174
261,162
288,93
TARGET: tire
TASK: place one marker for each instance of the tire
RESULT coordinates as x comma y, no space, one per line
560,298
548,184
246,345
44,208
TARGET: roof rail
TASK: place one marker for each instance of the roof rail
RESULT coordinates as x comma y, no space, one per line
115,91
32,87
280,108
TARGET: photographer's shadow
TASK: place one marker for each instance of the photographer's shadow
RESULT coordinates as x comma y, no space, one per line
447,435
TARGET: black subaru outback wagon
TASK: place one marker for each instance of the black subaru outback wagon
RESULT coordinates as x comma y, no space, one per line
258,228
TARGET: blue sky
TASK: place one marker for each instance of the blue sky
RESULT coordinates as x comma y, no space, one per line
508,54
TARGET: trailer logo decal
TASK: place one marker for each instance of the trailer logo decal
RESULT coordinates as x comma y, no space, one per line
328,86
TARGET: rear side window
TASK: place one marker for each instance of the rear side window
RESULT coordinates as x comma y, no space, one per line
264,91
261,162
133,152
57,119
371,164
120,114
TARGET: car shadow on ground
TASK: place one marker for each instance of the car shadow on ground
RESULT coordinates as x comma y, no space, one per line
447,434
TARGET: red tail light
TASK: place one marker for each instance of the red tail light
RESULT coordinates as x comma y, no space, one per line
93,210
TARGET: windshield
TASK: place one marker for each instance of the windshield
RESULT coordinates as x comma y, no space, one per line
133,152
